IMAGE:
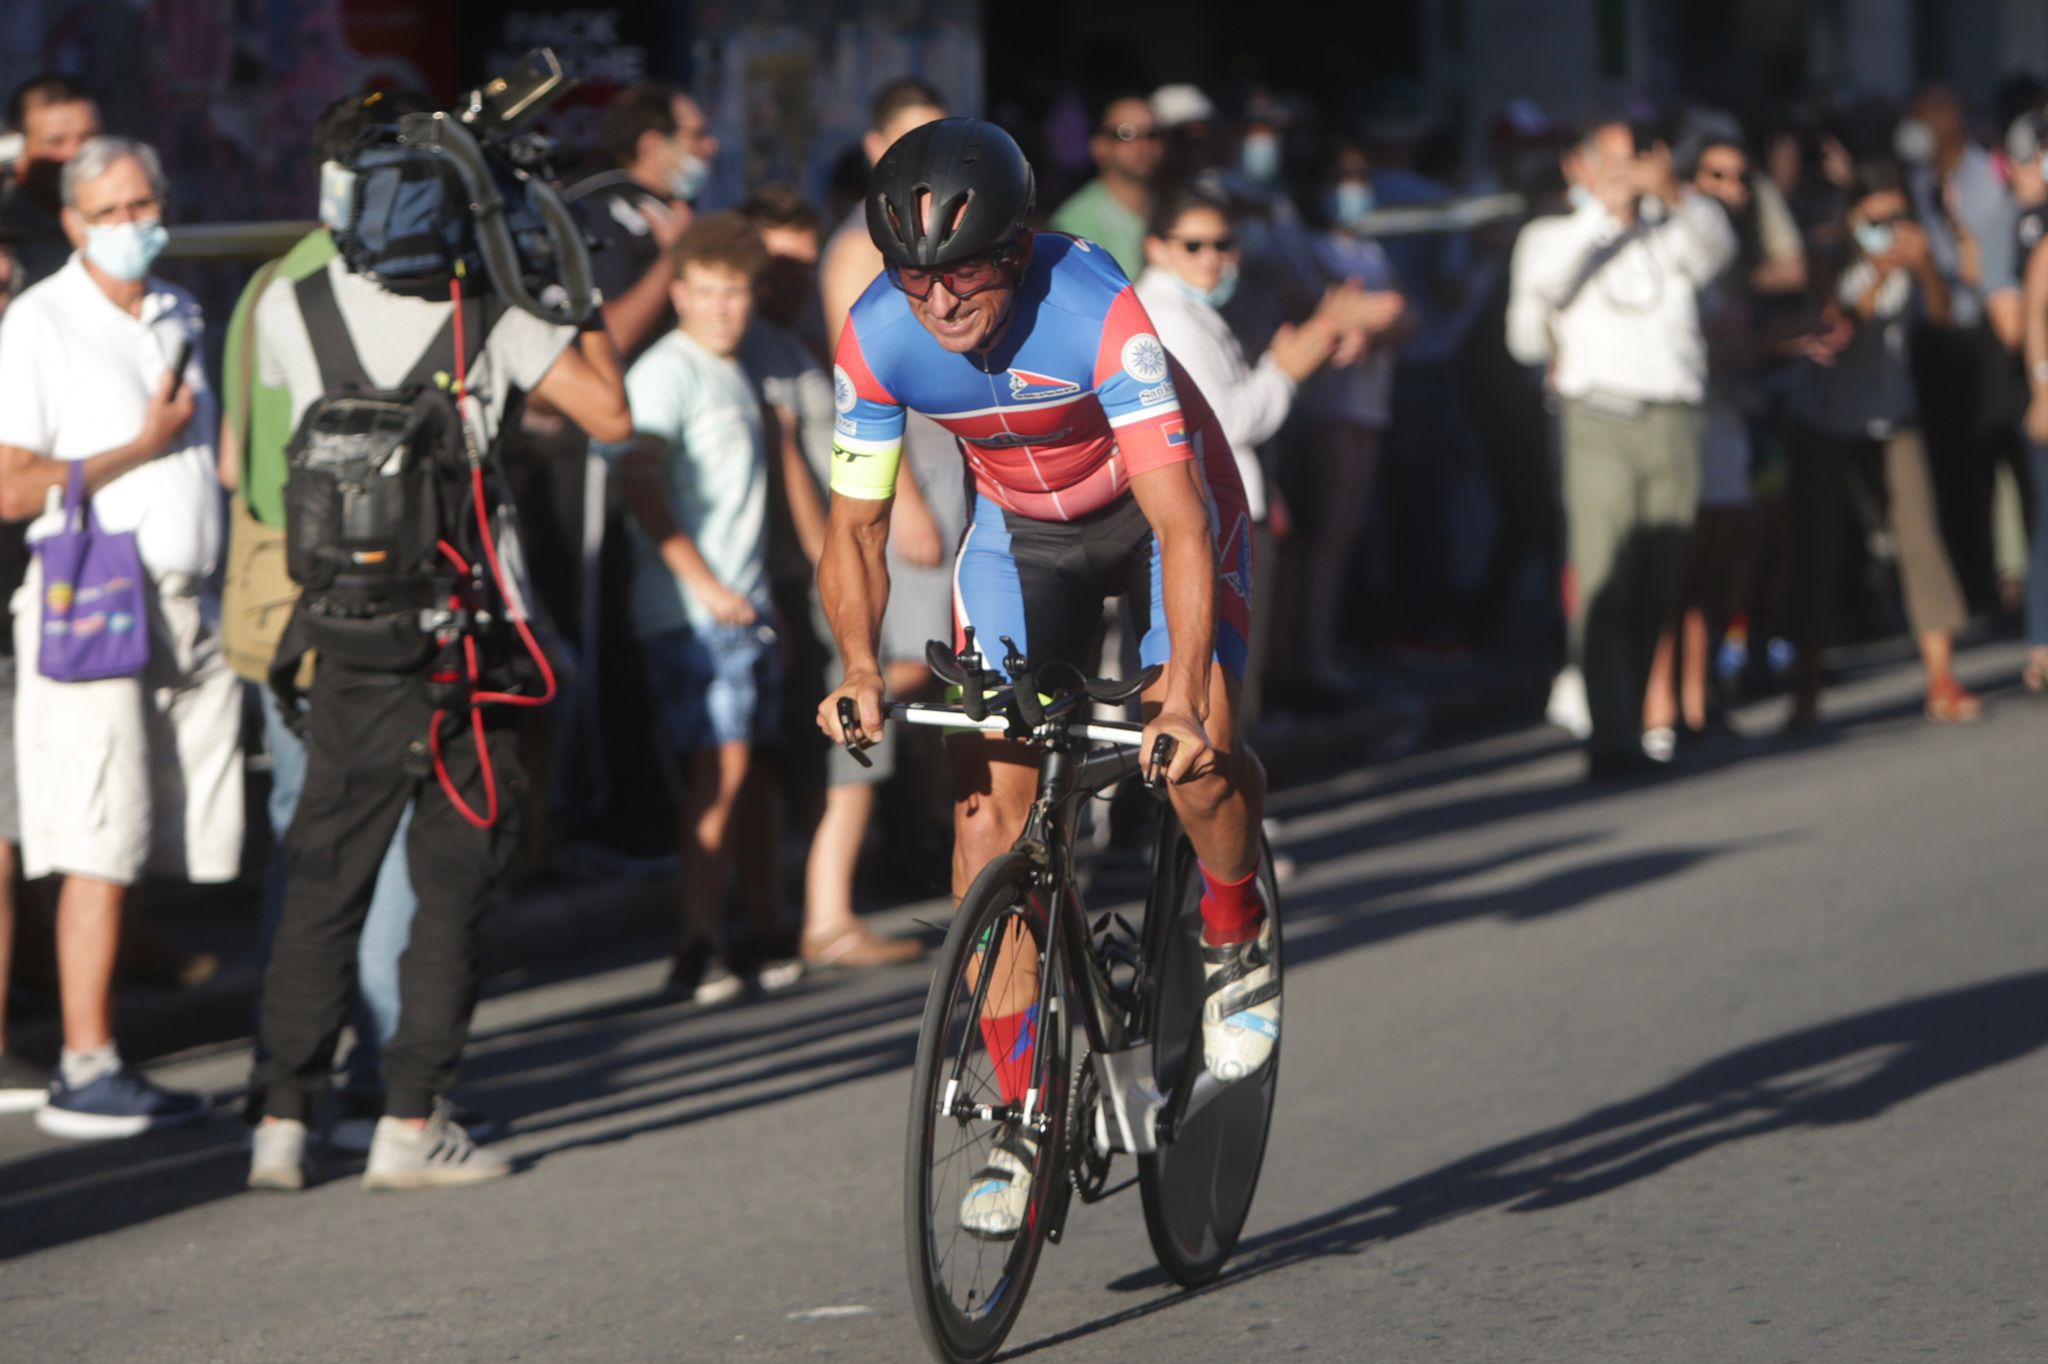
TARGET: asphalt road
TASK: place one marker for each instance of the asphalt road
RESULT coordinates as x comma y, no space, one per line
1743,1066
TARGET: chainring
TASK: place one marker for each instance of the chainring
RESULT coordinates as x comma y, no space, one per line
1090,1167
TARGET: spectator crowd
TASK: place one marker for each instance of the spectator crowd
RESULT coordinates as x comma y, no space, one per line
1677,427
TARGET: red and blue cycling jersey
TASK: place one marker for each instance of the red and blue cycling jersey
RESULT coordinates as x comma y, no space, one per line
1075,399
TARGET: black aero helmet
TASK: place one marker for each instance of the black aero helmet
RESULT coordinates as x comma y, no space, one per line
956,161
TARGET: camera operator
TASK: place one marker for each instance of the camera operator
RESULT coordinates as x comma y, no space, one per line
661,148
368,746
1608,297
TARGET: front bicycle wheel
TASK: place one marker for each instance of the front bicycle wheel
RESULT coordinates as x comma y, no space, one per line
1198,1186
968,1285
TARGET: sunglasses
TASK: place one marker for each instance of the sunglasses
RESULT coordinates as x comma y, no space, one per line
1195,246
964,280
1129,132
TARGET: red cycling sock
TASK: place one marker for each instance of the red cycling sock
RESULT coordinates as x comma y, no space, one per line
1231,910
1011,1041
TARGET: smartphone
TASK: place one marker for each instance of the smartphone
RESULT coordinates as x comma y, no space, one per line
178,366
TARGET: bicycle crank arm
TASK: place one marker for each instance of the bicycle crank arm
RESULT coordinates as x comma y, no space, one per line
1131,1101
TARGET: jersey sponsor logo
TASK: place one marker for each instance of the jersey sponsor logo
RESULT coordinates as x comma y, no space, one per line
1027,387
843,396
1010,440
1158,393
846,456
1144,358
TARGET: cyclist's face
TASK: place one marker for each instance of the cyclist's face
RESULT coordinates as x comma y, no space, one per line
964,324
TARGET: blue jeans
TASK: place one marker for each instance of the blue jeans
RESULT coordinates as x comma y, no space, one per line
386,930
2037,553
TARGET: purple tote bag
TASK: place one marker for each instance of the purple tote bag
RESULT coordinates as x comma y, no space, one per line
95,617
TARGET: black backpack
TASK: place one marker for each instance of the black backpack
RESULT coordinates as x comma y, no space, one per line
375,482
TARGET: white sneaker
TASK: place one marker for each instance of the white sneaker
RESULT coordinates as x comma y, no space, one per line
437,1156
1567,708
278,1155
1660,744
1000,1195
1240,1005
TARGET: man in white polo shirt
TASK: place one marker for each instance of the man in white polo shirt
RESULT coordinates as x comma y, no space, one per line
135,772
1608,297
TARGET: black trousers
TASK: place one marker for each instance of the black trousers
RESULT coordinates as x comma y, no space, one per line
365,759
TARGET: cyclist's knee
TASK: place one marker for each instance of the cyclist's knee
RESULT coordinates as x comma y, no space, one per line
984,825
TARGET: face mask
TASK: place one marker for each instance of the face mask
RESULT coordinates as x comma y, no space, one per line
1349,201
1260,158
1913,142
685,180
1578,196
1874,239
1225,290
337,194
126,250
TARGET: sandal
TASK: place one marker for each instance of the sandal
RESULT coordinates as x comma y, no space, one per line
2034,677
1949,702
855,946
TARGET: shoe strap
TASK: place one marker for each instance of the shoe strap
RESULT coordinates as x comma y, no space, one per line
1222,1004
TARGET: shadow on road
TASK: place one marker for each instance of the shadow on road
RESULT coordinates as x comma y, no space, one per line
1846,1071
593,1077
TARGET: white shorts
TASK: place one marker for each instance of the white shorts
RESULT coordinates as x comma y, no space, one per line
133,773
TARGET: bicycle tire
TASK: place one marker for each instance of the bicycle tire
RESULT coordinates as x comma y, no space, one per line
965,1310
1198,1189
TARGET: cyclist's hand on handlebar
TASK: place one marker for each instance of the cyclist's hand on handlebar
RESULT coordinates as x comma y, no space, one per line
1191,755
864,689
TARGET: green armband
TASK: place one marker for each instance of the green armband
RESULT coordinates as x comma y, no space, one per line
865,469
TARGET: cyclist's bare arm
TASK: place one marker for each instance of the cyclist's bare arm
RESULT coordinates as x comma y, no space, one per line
853,585
1172,501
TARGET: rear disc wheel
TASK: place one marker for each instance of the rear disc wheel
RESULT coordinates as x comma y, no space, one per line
1198,1188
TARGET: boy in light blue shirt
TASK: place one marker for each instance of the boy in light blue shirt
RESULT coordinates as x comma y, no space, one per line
696,483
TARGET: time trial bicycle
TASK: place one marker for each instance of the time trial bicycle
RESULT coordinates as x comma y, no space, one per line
1136,991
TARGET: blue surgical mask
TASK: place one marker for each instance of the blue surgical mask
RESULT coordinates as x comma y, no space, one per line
687,179
1578,196
1225,290
1348,201
126,250
1260,158
1874,239
337,194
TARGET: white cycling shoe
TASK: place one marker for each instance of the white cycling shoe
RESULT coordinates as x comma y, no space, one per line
1000,1193
1240,1005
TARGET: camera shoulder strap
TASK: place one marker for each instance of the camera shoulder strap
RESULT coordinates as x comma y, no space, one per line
334,350
341,364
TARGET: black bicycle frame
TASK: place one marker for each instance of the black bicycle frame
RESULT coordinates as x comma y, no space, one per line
1062,778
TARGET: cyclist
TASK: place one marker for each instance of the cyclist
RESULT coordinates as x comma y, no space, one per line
1096,470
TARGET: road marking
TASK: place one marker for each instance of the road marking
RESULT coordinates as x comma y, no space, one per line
833,1313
